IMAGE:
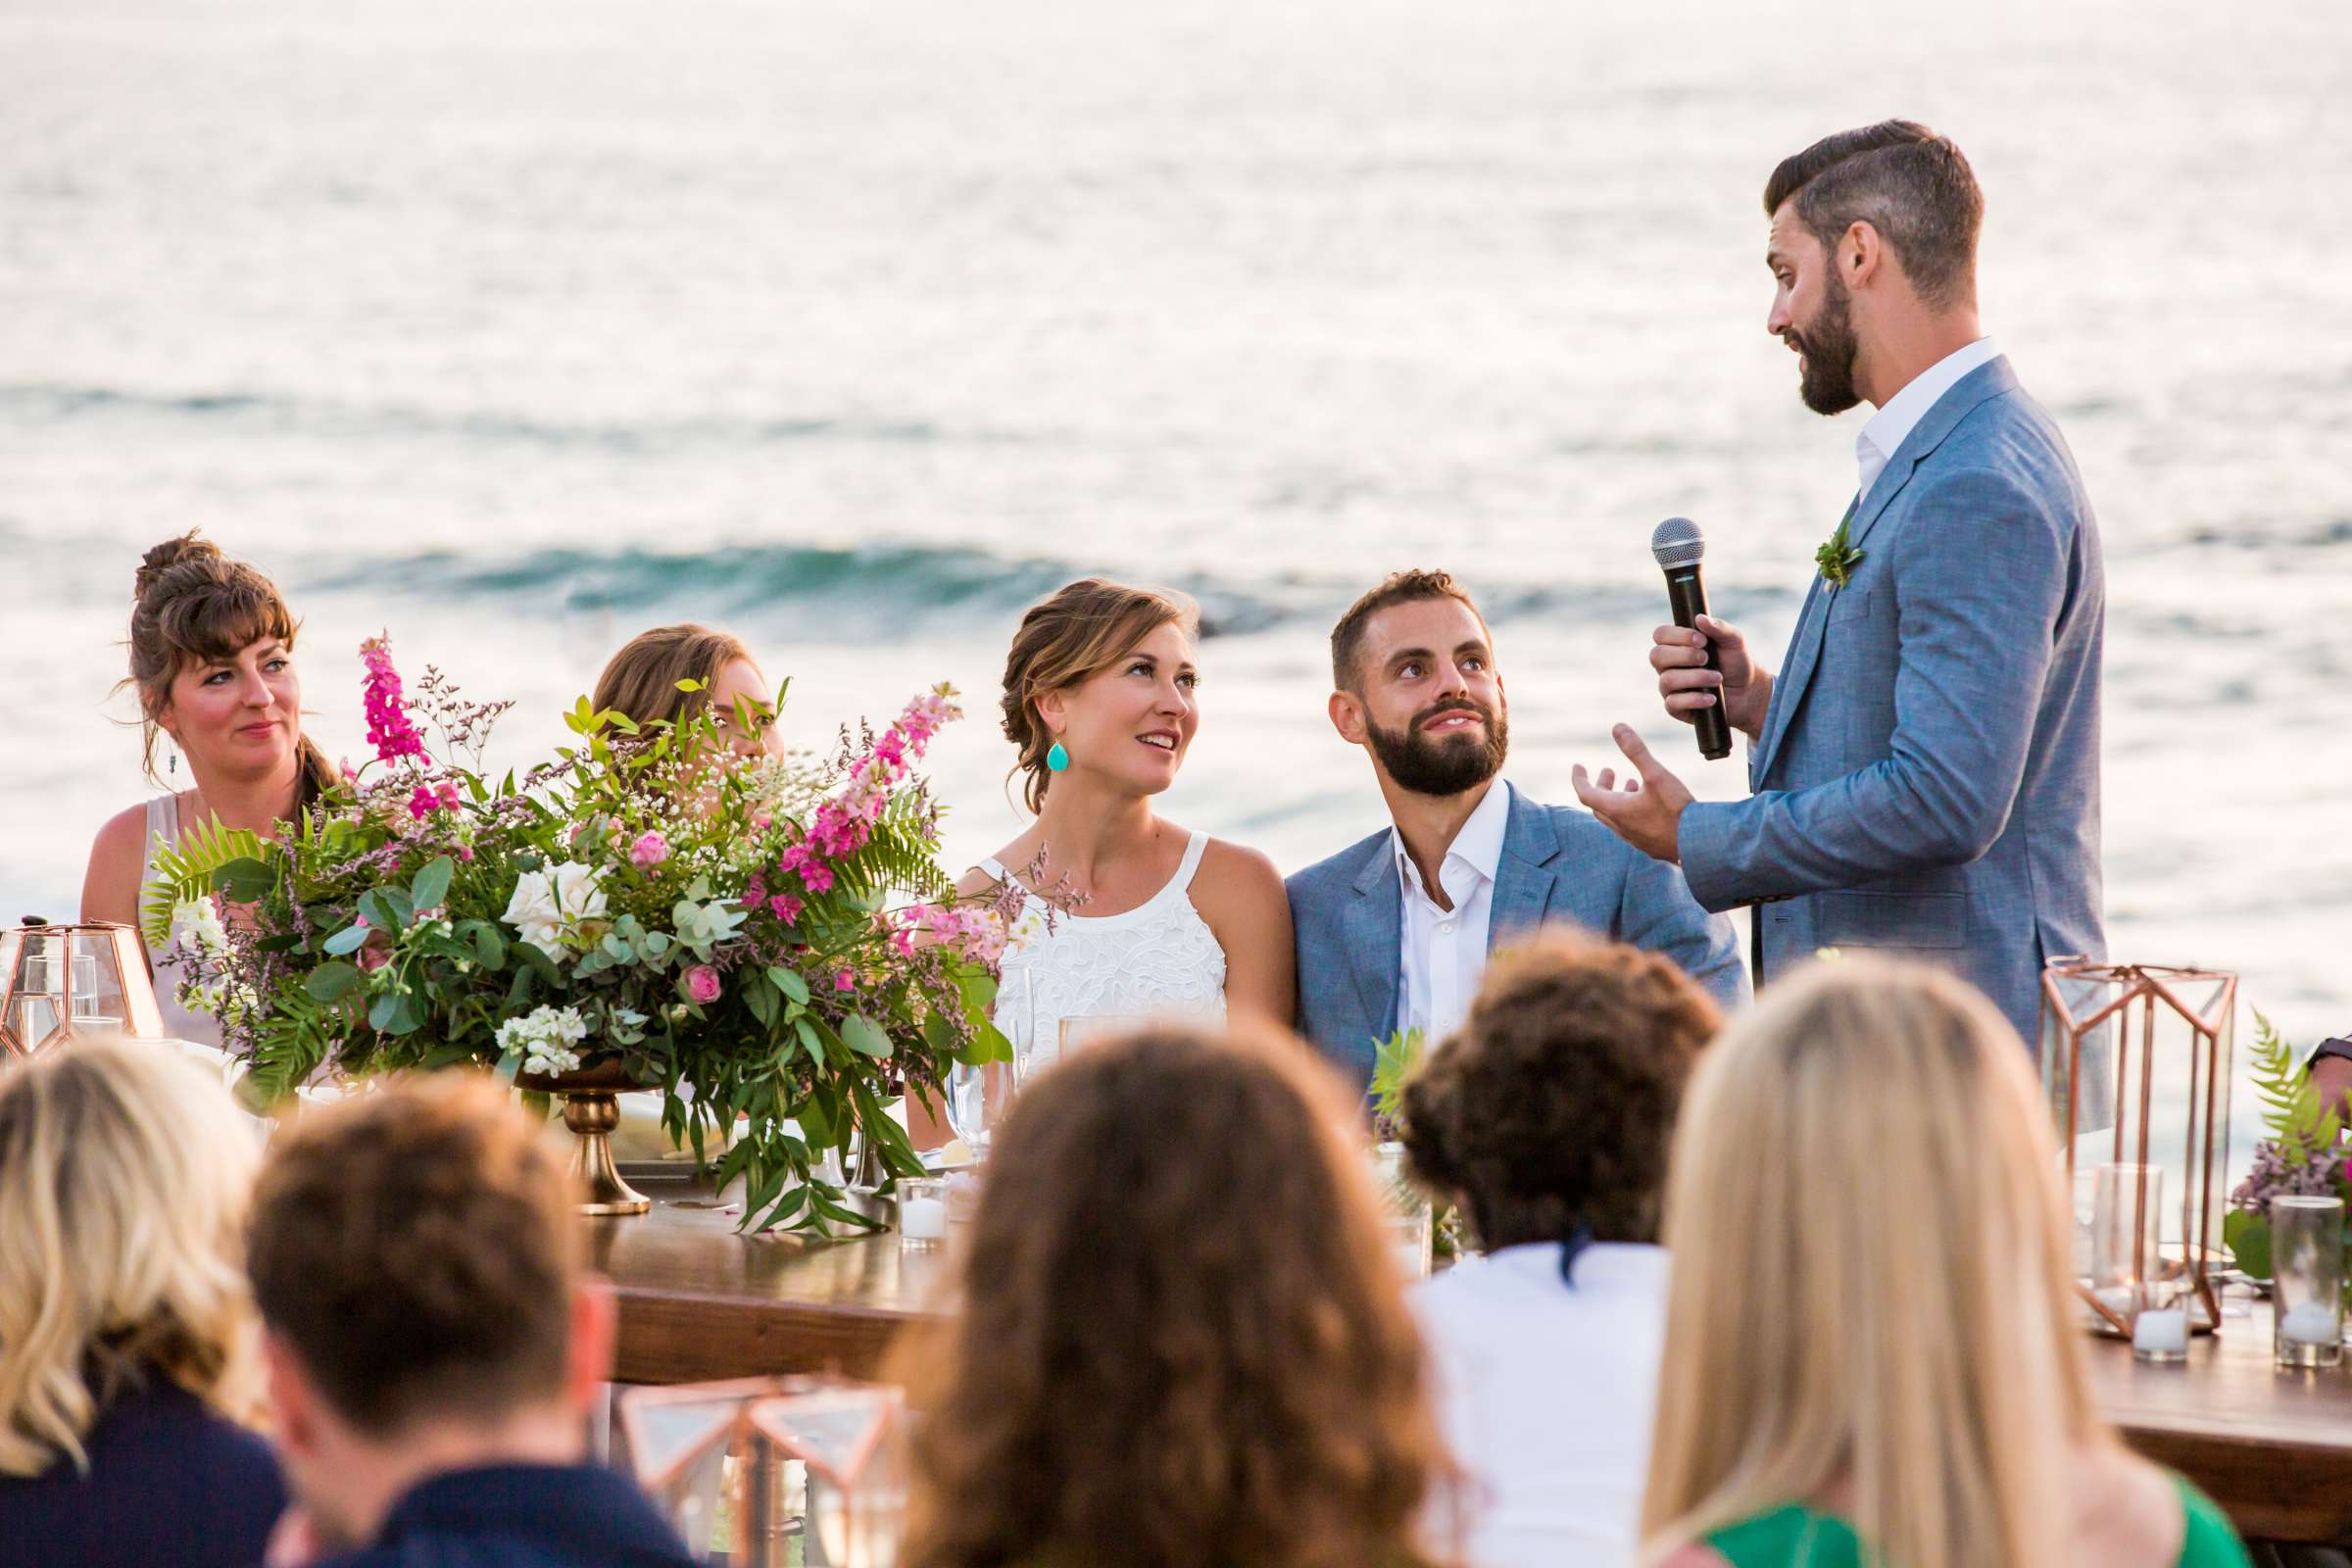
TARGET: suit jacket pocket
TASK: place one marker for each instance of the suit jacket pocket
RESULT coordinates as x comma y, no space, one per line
1860,920
1852,604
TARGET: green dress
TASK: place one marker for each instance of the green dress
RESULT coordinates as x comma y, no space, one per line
1796,1537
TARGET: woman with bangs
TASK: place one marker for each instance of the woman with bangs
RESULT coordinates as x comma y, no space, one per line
1102,702
129,1352
1871,1351
212,654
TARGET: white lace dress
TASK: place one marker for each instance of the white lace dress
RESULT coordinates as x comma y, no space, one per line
1158,959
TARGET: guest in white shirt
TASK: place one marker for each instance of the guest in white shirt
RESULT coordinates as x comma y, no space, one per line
1550,1117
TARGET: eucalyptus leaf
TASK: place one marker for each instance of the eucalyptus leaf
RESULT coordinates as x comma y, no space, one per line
864,1036
333,982
433,883
791,984
351,939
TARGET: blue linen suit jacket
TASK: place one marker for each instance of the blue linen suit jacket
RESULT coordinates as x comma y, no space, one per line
1558,864
1926,780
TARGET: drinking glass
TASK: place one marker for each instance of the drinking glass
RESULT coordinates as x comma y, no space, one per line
979,1098
2129,1274
2307,1281
922,1212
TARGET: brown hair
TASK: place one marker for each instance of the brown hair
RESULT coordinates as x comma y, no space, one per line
1183,1344
1553,1108
642,679
1072,636
416,1249
1398,588
191,605
1910,184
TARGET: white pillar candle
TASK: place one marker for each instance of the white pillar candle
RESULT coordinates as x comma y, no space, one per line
2312,1323
2161,1331
923,1219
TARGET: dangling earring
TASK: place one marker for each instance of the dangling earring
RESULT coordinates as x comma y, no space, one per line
1058,759
172,763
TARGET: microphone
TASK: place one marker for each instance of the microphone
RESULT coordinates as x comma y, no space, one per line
1677,544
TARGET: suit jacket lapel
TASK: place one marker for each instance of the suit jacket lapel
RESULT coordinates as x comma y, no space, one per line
1523,876
1375,929
1987,381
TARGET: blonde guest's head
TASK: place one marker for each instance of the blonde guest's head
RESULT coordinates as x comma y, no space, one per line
124,1173
1871,1287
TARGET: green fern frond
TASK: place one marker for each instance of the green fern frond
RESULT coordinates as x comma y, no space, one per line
2291,1111
186,870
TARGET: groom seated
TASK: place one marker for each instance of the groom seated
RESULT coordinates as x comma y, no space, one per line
1394,931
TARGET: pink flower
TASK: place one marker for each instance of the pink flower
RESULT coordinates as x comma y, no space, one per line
389,730
648,851
785,908
425,802
817,875
702,983
448,791
845,981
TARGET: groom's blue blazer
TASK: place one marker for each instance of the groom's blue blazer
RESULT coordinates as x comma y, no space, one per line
1559,865
1926,780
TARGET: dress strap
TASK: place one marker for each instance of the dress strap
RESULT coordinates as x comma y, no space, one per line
1193,849
990,866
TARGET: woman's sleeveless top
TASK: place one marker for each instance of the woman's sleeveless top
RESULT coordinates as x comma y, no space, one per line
1158,958
1796,1537
162,833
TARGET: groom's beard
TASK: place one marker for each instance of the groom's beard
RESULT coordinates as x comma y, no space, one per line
1827,383
1442,765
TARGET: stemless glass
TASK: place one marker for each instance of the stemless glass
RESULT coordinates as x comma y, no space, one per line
2307,1271
979,1098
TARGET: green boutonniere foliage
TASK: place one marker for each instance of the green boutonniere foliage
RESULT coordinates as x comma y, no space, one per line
1839,558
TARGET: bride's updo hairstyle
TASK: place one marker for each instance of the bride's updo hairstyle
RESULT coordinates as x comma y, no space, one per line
1079,632
642,679
192,604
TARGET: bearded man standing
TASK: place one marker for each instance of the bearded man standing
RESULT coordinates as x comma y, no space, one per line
1925,767
1394,932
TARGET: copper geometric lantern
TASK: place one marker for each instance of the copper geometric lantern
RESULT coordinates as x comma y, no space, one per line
2135,1069
64,983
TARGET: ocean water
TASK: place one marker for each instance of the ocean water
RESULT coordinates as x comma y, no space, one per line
511,329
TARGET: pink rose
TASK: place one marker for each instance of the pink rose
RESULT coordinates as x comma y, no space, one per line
845,981
702,984
649,852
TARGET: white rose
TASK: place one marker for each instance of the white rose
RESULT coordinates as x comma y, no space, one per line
548,905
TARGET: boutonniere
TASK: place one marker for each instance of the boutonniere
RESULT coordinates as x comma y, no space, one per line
1837,558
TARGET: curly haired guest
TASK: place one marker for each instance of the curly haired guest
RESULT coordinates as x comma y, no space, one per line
1184,1344
642,681
126,1343
1549,1115
1873,1315
433,1347
212,654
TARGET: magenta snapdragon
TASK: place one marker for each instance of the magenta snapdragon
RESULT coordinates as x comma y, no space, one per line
389,729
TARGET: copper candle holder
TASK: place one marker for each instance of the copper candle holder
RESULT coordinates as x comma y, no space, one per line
59,984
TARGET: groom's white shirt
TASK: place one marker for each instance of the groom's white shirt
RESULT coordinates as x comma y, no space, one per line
1443,952
1886,428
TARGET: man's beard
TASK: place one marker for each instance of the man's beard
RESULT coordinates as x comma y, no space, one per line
1827,382
1442,765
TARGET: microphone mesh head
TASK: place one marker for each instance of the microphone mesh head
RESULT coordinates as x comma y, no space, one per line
1677,542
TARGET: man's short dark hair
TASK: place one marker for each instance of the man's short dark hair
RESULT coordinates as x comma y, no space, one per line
1398,588
1905,182
416,1249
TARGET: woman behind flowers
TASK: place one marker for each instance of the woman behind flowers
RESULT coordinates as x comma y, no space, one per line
1873,1350
1101,701
642,681
1183,1342
127,1330
212,654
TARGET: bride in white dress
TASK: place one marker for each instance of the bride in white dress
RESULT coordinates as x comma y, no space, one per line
1101,700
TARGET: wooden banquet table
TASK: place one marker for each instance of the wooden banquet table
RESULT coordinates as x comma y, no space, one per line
700,1303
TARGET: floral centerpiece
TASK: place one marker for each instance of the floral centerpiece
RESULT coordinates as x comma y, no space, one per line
2304,1155
772,945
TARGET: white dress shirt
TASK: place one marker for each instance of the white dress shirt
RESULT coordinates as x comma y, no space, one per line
1545,1393
1445,950
1876,445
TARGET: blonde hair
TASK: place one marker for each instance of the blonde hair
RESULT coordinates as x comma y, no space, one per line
1081,630
124,1173
642,679
1872,1281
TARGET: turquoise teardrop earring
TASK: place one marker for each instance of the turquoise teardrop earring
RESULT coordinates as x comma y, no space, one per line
1058,759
